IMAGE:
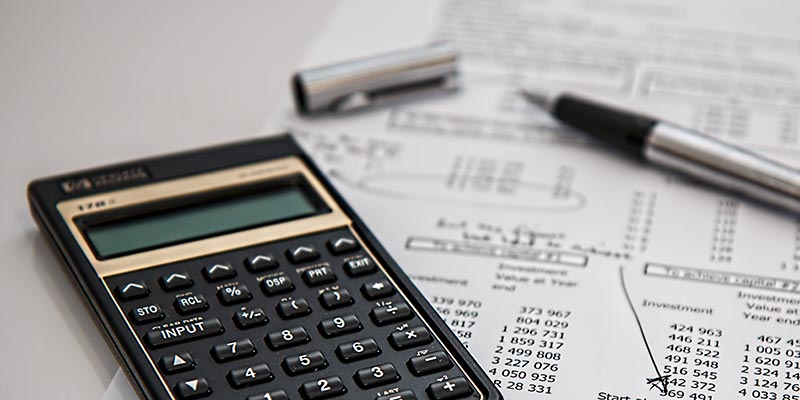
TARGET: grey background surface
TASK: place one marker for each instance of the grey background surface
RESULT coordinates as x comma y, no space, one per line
84,83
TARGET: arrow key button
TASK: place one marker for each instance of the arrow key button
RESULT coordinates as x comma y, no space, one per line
301,254
132,290
192,389
178,362
218,272
378,289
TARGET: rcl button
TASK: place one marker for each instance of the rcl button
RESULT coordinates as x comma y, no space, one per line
145,314
190,304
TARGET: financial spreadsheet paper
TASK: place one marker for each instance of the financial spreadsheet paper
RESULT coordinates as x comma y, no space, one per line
569,271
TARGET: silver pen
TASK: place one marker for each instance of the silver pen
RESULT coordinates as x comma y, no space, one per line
681,149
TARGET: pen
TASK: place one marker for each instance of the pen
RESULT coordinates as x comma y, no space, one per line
677,148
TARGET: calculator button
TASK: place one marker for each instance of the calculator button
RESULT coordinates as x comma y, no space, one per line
184,332
302,363
360,266
192,389
287,338
293,308
271,395
357,350
429,363
176,281
455,388
234,294
249,318
339,325
342,245
132,290
404,395
248,376
390,313
218,272
377,375
410,337
145,314
324,388
190,304
301,254
377,290
336,299
261,262
175,363
233,350
318,276
277,285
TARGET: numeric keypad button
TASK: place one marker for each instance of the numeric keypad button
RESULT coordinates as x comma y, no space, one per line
234,294
455,388
271,395
318,276
340,325
175,281
404,395
247,318
342,245
276,285
188,304
132,290
336,299
250,375
323,388
410,337
377,290
287,338
377,375
390,313
357,350
145,314
301,254
293,308
178,362
360,266
303,363
192,389
429,363
218,272
260,263
233,350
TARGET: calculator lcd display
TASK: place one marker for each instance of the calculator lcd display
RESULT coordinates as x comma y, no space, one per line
200,220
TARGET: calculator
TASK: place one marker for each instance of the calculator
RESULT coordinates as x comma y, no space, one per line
238,272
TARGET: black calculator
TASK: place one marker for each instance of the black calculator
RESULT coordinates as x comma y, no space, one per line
238,272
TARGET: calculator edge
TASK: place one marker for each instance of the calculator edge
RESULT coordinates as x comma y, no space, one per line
44,194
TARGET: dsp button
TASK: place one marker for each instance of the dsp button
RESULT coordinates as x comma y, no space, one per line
261,262
233,350
175,281
324,388
301,254
218,272
234,294
390,313
360,266
410,337
404,395
144,314
175,363
188,304
377,290
271,395
455,388
183,333
342,245
318,276
429,363
293,308
248,376
377,375
192,389
276,285
132,290
303,363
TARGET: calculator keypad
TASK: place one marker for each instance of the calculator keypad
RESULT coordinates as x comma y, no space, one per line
312,317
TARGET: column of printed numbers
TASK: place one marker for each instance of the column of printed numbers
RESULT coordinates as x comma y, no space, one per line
460,314
692,360
527,355
771,369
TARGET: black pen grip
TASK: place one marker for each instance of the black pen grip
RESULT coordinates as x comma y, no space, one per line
622,129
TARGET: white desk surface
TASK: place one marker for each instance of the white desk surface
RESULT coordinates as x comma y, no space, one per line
85,83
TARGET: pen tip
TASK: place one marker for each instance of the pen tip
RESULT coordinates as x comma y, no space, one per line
536,97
